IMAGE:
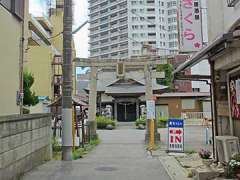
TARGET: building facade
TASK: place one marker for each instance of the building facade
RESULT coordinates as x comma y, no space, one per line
118,29
11,32
44,55
124,95
223,55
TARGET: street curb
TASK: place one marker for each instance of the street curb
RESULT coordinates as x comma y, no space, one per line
173,168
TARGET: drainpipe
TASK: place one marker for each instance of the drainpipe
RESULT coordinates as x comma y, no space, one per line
21,59
23,45
214,104
212,114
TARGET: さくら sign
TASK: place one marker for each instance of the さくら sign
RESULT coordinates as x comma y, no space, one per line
190,26
175,135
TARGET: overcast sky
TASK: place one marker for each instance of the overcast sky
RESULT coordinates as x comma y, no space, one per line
81,38
40,7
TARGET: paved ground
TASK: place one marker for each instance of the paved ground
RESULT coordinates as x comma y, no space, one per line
120,156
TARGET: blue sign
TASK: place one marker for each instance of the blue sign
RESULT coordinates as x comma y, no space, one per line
176,123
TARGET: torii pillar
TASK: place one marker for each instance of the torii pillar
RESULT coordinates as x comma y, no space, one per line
93,103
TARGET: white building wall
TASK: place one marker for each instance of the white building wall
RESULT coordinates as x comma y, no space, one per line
221,17
202,69
118,28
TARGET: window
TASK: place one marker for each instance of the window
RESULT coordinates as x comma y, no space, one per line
151,17
150,10
134,27
134,2
188,104
196,89
134,18
16,7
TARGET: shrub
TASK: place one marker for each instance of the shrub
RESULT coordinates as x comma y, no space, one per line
102,122
233,166
141,120
56,147
26,111
162,122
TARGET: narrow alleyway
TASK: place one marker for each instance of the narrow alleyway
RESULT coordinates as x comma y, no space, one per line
120,156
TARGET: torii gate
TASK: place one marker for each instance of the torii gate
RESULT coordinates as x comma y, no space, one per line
142,62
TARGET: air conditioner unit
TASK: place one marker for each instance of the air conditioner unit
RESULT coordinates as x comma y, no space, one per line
227,146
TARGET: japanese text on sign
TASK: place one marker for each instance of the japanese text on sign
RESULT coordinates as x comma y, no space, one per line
176,135
190,26
151,113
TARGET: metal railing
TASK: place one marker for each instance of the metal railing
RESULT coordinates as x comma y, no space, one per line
196,115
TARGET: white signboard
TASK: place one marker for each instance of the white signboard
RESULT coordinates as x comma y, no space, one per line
190,26
238,91
176,135
151,113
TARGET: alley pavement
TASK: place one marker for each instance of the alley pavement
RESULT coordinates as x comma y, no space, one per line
120,156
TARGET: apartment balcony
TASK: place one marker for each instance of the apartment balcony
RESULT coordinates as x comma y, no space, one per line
106,13
37,29
108,29
152,38
151,4
115,34
97,3
60,3
45,22
35,40
119,16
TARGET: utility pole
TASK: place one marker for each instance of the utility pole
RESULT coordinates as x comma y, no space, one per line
67,82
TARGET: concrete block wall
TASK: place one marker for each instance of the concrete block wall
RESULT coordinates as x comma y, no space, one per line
25,142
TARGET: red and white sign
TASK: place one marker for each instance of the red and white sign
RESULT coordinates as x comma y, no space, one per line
175,135
190,26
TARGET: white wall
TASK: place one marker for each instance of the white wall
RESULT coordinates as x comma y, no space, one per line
9,61
221,17
202,69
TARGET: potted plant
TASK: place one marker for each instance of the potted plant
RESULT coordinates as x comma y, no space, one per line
205,155
233,167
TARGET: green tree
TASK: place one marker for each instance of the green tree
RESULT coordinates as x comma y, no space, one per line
168,70
30,99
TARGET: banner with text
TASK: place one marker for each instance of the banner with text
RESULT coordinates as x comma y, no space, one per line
190,26
176,135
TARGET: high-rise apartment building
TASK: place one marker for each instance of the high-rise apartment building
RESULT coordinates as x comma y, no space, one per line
119,28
